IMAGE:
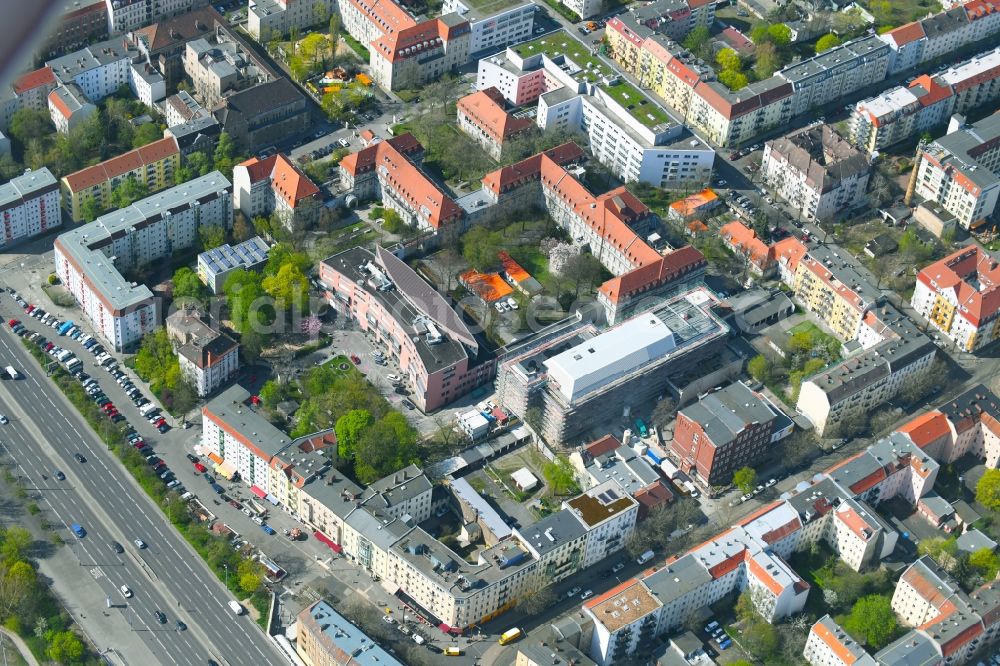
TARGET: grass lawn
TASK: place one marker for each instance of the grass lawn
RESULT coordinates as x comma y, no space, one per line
491,6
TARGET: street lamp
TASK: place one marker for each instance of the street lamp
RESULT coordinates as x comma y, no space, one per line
226,567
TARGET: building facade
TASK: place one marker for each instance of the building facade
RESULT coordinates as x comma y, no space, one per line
29,205
152,166
265,115
217,264
127,15
482,116
88,259
207,357
275,185
272,19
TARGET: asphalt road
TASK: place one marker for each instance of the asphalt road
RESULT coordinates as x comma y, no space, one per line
44,434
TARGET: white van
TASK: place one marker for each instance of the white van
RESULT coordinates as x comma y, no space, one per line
645,557
236,608
147,408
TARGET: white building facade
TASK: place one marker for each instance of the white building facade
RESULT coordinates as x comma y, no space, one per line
29,205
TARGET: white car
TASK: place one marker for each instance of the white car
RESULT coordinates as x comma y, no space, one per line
126,592
140,544
3,420
511,303
586,595
388,619
500,306
394,378
575,591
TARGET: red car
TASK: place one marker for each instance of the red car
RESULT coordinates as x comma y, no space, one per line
29,309
355,359
201,469
14,322
159,422
108,406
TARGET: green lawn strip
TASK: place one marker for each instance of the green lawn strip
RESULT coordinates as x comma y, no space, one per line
213,549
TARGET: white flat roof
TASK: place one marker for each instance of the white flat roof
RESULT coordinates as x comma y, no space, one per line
889,102
610,355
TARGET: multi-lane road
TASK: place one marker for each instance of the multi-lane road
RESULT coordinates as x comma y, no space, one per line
44,434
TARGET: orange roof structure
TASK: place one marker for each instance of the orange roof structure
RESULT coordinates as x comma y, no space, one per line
287,181
488,286
121,164
485,110
926,428
743,240
32,80
971,277
696,227
905,34
694,203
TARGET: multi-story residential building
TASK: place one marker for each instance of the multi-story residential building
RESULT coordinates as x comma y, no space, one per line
673,19
817,172
613,226
744,243
153,166
163,43
421,53
831,286
584,8
558,541
182,108
440,359
324,637
960,172
482,116
958,295
81,23
217,264
608,515
89,258
632,135
577,378
29,91
218,67
490,32
608,459
272,19
829,645
274,185
725,430
928,101
127,15
207,357
69,107
836,73
265,115
29,205
930,38
390,170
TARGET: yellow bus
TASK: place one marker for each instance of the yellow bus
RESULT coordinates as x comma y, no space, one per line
510,636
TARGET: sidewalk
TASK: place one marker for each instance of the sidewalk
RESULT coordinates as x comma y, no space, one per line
21,646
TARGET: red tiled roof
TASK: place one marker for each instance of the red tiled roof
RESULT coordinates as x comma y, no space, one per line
605,444
935,91
364,160
905,34
741,238
972,276
116,166
485,110
926,428
57,101
291,184
39,77
841,651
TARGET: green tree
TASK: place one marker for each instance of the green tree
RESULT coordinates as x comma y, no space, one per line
827,42
288,287
560,477
988,489
872,621
349,428
15,543
697,38
759,368
985,562
147,133
732,79
28,124
9,168
243,296
128,192
241,229
211,236
481,247
729,59
282,254
64,647
89,209
393,222
250,575
766,60
386,446
187,284
225,153
334,28
745,478
780,34
200,164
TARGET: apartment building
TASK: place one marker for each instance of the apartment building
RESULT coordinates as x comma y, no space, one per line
937,35
744,242
438,356
482,116
217,264
69,107
218,67
182,108
29,205
324,637
265,115
578,378
101,69
490,32
837,73
584,8
89,258
960,172
275,186
152,165
672,19
829,645
207,357
819,174
273,19
163,42
726,429
127,15
613,226
608,459
558,542
390,170
960,297
28,91
627,131
608,515
80,24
